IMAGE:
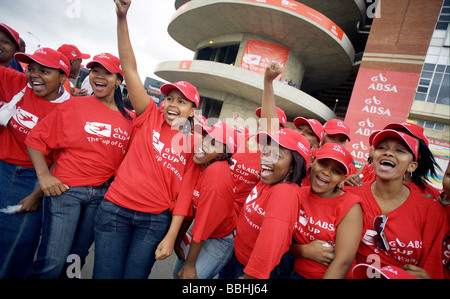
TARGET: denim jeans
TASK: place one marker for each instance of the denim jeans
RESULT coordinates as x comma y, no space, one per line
214,255
68,228
126,240
19,233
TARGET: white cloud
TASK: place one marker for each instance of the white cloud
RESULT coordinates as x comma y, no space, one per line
91,26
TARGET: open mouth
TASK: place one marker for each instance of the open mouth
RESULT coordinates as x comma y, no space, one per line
37,86
321,182
100,86
386,164
266,171
172,114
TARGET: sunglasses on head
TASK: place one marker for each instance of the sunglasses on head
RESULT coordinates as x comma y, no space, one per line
380,238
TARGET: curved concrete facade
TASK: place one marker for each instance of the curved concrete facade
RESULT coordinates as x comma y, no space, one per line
320,57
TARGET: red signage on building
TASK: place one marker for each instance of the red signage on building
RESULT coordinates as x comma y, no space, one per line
378,98
306,12
258,54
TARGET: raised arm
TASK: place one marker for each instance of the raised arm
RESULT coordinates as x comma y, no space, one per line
138,96
269,115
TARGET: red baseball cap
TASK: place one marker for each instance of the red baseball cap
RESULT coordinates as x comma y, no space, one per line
221,132
336,152
12,33
108,61
364,271
72,52
186,88
411,142
281,115
315,125
46,57
416,130
289,139
337,126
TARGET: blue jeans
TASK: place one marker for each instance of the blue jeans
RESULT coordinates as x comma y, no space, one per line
126,241
19,233
214,255
68,228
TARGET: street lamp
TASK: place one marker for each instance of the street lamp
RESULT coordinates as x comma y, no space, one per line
39,41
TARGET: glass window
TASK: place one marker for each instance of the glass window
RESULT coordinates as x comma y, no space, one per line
428,67
429,125
444,93
420,97
439,127
427,75
424,82
440,68
434,89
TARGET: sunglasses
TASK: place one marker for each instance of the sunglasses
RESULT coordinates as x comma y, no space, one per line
380,238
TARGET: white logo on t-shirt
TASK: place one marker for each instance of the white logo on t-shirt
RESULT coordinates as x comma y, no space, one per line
99,129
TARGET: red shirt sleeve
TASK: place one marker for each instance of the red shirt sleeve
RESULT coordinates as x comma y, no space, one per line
434,232
48,133
275,236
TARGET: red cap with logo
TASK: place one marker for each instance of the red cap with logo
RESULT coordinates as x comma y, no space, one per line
336,152
221,132
281,115
411,142
46,57
315,125
365,271
337,126
108,61
289,139
12,33
72,52
414,129
186,88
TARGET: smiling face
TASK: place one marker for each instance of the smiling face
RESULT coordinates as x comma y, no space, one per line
209,150
45,81
7,49
392,158
276,163
308,132
103,82
177,109
325,175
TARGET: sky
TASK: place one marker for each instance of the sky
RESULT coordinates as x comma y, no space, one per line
91,26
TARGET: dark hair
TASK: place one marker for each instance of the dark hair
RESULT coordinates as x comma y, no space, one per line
427,165
299,168
119,100
226,156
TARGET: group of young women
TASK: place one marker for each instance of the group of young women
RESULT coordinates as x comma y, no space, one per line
282,203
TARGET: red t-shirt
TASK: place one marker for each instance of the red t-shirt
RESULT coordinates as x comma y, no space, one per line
428,191
213,202
89,139
29,110
158,168
245,171
414,231
318,220
265,225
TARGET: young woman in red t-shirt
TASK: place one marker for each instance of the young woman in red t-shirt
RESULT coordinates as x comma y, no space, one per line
401,228
151,194
212,232
43,92
89,137
266,222
328,217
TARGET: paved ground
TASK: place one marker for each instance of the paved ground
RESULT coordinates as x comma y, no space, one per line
161,269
